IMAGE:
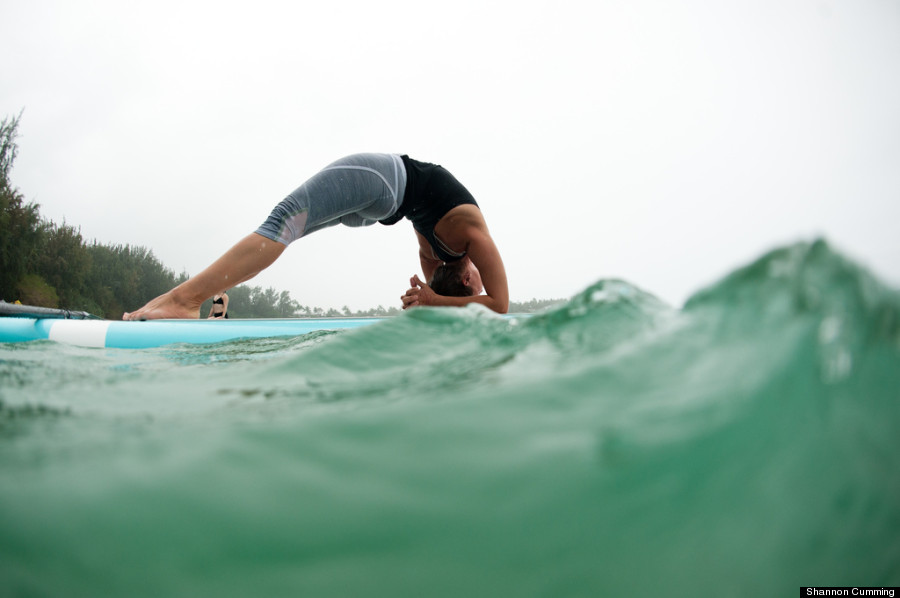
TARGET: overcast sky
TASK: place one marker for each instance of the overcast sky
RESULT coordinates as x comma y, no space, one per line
665,143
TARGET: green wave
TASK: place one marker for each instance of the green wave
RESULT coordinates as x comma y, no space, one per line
746,444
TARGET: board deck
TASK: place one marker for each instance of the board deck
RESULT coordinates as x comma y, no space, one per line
156,333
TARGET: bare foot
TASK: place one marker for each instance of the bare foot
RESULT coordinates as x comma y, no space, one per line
165,306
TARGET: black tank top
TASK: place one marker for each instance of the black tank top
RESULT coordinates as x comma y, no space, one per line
431,192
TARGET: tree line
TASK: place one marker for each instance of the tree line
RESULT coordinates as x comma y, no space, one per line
51,265
46,264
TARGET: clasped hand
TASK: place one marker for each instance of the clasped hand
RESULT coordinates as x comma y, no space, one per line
419,293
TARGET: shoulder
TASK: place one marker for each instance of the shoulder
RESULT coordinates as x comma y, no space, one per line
464,215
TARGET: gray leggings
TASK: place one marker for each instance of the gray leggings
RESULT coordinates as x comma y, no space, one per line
358,190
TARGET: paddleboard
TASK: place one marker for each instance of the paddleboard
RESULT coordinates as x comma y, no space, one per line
156,333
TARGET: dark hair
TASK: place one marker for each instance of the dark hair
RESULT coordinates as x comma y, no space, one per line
448,280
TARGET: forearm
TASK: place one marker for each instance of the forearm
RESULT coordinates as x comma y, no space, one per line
497,304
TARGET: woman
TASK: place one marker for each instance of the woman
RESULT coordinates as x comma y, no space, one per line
219,307
360,190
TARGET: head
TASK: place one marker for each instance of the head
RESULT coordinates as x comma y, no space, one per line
457,279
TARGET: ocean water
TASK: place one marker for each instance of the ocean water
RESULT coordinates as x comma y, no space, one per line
746,444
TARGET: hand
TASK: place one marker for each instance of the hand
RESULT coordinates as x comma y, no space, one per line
418,294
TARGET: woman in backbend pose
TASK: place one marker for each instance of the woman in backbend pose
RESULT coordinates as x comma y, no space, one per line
459,259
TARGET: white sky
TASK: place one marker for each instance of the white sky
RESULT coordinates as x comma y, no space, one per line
665,143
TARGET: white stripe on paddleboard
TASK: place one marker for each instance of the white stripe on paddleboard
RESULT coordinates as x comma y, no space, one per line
86,333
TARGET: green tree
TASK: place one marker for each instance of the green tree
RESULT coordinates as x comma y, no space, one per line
64,263
287,307
21,228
